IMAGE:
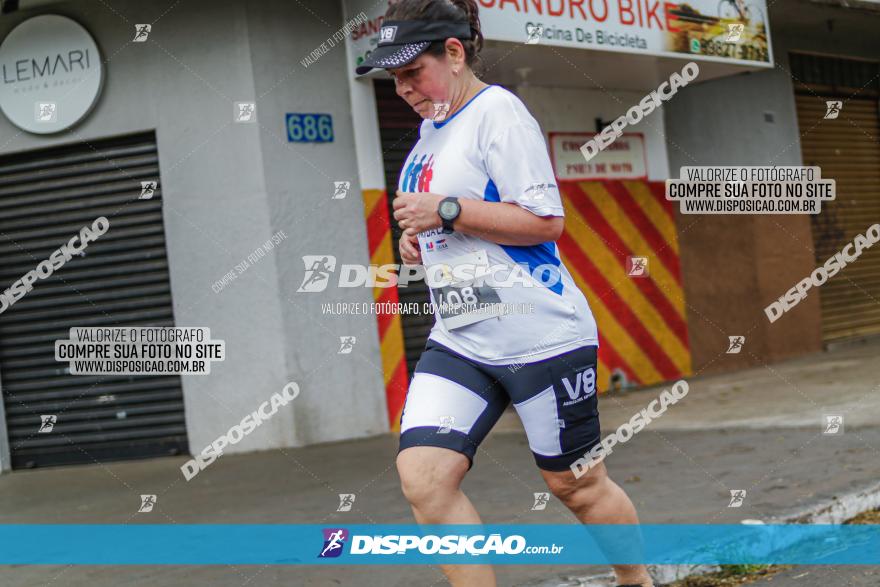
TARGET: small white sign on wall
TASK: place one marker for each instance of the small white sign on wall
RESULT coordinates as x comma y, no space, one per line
625,158
50,74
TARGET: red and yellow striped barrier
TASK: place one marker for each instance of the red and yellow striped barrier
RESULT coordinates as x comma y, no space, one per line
390,329
642,321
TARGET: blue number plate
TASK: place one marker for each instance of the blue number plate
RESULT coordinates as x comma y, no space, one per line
309,128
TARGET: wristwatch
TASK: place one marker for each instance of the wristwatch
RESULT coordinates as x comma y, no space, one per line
449,209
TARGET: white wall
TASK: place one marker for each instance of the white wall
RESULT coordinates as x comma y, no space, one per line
343,395
575,110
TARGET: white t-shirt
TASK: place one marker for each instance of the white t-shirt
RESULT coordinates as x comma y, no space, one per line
492,149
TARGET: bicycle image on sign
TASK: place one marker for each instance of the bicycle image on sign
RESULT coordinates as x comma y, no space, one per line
729,29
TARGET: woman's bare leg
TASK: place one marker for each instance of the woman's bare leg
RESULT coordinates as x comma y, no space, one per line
595,499
430,478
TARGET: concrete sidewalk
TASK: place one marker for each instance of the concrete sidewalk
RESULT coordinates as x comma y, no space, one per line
825,576
759,430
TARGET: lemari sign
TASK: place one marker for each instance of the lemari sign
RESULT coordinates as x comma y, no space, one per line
50,74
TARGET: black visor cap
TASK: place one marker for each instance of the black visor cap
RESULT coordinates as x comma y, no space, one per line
401,41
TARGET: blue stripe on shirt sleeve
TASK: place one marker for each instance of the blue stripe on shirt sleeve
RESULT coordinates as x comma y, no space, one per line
531,255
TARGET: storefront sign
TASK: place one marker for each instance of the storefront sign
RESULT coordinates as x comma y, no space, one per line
50,74
705,29
623,159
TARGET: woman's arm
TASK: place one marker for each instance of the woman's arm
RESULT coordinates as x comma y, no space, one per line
499,222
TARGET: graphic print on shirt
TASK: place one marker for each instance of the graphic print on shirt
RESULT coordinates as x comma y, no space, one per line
418,174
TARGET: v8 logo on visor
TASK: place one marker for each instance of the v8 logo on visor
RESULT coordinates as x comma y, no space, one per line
387,34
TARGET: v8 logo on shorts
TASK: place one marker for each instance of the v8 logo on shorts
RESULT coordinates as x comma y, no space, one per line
583,381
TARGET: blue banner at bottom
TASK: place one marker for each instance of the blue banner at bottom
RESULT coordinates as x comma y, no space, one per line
381,544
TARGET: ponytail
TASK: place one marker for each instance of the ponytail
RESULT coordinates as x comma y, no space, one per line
472,12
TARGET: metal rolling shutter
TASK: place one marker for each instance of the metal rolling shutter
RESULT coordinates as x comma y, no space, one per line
847,149
46,197
399,131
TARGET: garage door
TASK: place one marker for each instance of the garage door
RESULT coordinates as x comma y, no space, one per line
847,148
399,131
46,197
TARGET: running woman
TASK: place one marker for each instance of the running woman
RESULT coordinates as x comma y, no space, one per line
478,190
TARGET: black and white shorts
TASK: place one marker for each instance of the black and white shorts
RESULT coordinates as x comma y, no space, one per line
454,401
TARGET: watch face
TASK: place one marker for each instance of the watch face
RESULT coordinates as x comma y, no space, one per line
448,209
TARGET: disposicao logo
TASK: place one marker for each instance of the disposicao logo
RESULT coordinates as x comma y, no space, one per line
334,541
